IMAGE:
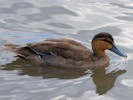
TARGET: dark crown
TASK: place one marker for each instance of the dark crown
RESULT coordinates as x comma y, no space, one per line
103,34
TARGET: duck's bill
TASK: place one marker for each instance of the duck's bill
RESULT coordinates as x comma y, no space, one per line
117,51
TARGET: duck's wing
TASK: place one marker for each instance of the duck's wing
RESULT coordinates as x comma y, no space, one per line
65,48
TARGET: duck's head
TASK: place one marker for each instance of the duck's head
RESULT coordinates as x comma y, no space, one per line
104,41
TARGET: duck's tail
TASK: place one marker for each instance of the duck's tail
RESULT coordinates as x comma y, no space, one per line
12,47
23,52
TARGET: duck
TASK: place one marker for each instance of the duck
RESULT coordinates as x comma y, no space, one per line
68,53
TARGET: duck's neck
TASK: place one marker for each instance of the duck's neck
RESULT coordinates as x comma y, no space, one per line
99,59
100,53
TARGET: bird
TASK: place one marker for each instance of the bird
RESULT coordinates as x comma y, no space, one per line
68,53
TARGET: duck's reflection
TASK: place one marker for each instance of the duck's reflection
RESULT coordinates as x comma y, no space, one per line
103,82
27,68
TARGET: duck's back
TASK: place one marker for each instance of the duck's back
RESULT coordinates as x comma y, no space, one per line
66,48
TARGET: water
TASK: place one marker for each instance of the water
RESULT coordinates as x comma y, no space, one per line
27,21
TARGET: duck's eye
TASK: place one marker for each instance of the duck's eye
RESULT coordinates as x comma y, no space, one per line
103,39
106,40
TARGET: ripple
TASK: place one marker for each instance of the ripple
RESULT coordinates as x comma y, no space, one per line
92,96
58,97
9,97
28,11
10,20
57,10
110,29
85,34
117,63
11,76
37,17
42,90
122,6
127,82
128,13
60,25
6,57
2,25
22,5
48,12
125,18
7,11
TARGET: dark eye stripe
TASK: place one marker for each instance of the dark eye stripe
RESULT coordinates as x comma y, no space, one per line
107,41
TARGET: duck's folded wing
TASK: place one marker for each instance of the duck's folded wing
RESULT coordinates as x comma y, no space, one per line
65,49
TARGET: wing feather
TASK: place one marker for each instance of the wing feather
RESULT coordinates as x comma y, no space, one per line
65,48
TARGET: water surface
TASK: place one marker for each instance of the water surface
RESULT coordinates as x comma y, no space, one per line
27,21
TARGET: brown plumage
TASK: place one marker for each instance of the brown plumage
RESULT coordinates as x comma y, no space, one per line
67,53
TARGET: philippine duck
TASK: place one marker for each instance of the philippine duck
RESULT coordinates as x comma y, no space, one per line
68,53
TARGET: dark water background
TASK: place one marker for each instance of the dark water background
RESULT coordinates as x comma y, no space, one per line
27,21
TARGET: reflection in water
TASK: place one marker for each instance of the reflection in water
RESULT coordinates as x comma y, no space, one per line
26,68
103,82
